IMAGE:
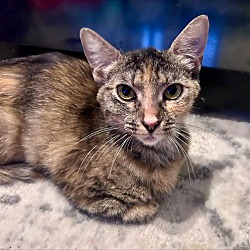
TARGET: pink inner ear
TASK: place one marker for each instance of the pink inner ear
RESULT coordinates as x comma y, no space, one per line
99,53
191,46
192,40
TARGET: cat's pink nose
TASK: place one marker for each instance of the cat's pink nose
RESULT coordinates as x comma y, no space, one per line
151,125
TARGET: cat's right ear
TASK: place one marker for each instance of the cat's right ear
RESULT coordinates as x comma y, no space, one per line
99,53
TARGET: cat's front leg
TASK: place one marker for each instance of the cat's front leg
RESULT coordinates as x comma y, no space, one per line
129,204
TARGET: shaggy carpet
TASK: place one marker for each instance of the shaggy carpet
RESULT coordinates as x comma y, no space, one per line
209,209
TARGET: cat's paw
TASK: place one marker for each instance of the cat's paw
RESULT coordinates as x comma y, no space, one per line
125,212
107,208
139,213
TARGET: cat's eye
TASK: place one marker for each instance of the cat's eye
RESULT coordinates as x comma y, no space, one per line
125,92
172,92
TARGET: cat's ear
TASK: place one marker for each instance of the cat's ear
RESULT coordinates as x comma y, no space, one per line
99,53
191,42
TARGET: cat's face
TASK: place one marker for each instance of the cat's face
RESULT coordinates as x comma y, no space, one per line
147,93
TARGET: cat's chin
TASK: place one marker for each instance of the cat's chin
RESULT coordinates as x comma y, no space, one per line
149,139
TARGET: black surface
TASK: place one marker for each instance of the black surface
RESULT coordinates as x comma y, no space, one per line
53,25
225,91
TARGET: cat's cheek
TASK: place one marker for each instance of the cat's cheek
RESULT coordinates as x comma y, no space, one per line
116,123
176,111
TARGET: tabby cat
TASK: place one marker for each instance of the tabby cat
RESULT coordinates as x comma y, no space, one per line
109,133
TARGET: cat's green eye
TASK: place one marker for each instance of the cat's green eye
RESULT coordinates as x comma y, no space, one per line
125,92
172,92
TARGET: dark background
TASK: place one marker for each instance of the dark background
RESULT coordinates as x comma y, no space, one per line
35,26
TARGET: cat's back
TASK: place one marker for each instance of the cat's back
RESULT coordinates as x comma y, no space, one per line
54,77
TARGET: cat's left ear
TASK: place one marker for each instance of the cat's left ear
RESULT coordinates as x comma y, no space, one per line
99,53
191,42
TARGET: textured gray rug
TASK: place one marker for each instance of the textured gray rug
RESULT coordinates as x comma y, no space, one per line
210,211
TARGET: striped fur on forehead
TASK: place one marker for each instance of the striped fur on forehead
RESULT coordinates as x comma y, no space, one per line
145,66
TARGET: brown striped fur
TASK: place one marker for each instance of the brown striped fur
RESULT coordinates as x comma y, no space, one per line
50,106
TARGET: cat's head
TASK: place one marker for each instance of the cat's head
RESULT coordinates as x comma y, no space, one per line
147,92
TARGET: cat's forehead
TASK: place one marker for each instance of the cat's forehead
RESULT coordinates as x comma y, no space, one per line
148,75
151,66
138,59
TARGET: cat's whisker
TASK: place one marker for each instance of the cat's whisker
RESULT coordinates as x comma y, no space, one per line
183,134
131,144
128,143
194,127
109,140
106,146
198,130
187,156
191,129
172,139
79,169
184,154
113,142
102,130
186,126
117,153
97,132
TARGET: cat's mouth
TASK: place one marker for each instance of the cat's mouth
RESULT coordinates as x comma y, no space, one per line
149,139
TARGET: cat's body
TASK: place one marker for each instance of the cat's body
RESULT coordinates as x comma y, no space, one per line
115,145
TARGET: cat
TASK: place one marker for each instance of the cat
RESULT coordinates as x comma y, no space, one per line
108,132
